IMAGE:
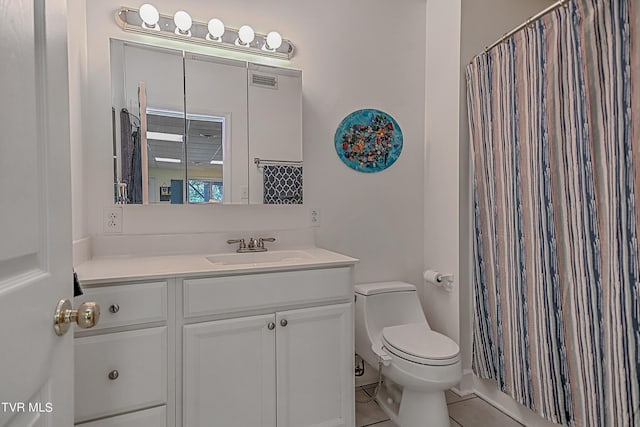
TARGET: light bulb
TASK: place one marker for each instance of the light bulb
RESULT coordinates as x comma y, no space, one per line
246,34
149,16
274,40
216,29
183,22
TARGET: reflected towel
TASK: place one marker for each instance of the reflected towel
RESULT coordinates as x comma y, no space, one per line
282,185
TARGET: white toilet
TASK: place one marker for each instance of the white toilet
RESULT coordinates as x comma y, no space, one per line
418,364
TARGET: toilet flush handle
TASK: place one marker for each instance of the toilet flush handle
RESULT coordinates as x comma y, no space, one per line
383,356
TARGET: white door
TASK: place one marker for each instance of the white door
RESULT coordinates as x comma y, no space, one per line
36,365
315,380
229,373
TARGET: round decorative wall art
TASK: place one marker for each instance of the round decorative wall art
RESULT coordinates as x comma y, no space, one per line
368,140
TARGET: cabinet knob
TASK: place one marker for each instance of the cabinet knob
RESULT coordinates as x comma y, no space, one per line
271,326
114,308
284,322
113,375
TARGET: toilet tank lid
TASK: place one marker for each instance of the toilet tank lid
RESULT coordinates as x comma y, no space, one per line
382,288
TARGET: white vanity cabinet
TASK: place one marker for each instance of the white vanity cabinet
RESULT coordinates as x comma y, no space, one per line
284,368
121,365
260,348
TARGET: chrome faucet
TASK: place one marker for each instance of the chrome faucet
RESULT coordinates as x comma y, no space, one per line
253,245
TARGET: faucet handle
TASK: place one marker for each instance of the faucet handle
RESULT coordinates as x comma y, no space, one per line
241,241
261,241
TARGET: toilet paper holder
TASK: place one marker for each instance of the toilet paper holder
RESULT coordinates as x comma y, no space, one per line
444,280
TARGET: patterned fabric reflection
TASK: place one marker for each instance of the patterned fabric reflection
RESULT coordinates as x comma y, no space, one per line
282,185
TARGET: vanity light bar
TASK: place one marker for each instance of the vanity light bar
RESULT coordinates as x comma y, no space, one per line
177,28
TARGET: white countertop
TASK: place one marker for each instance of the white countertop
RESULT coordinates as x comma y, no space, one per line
126,268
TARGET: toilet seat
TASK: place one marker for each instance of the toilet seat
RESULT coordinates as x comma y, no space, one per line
416,343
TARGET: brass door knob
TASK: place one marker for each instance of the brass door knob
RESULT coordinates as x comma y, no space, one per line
271,326
114,308
284,322
113,375
86,316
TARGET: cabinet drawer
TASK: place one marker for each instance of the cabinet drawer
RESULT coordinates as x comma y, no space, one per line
221,295
122,305
154,417
140,359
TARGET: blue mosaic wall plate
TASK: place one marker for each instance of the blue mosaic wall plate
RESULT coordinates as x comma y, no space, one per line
368,140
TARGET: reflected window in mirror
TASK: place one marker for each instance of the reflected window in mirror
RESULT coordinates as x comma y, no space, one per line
205,158
203,191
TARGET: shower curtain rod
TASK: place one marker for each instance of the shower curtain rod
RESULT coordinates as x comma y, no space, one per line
525,24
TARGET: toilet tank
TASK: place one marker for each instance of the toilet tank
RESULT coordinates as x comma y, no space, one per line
383,304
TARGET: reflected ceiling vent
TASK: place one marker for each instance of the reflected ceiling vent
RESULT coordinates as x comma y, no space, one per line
262,80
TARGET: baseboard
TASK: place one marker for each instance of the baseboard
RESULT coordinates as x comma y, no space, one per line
486,390
465,386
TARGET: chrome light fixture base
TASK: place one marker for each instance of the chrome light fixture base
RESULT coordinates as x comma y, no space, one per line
129,20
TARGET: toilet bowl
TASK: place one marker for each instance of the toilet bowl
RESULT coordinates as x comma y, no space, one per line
418,364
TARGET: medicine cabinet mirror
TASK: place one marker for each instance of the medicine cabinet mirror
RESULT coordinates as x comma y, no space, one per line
190,128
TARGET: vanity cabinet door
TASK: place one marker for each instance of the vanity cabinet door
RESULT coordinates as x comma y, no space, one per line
315,366
229,373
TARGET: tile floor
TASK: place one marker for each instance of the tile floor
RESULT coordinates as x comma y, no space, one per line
464,411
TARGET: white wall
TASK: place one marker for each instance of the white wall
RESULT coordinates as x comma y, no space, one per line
349,62
441,161
77,50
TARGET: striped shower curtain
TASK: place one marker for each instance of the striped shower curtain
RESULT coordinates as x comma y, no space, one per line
554,116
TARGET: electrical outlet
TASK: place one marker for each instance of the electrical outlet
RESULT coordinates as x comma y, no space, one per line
315,218
112,220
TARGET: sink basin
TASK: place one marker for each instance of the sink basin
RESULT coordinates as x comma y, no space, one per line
252,258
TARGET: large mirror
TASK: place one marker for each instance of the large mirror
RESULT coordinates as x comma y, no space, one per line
191,128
